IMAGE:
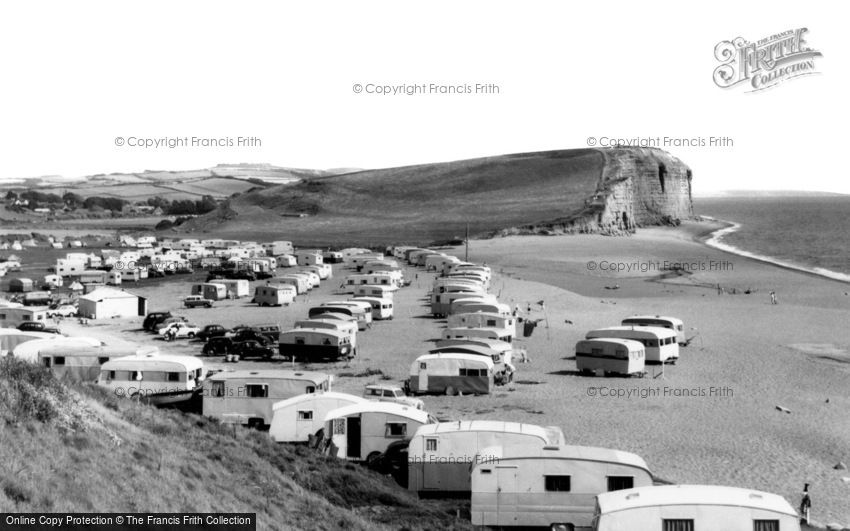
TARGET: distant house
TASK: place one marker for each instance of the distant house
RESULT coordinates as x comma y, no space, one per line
106,302
41,210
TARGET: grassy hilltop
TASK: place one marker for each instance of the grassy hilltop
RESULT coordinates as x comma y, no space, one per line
420,203
79,449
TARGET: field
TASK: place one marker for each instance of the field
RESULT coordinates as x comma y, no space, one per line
221,182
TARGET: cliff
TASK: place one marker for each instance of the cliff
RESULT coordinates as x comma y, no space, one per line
638,187
609,191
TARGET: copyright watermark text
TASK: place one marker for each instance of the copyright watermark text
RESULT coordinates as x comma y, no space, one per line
659,391
661,141
188,142
426,89
646,266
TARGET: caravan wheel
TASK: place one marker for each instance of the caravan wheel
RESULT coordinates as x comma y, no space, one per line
451,391
562,527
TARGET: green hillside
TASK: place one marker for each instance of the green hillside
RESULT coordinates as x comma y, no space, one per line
82,450
414,204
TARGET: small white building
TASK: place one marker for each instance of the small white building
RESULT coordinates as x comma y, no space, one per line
106,302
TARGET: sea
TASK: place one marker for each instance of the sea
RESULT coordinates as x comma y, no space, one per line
809,233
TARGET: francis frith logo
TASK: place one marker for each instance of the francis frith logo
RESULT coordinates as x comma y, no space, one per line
764,63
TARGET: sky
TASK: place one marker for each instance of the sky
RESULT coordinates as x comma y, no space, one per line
76,76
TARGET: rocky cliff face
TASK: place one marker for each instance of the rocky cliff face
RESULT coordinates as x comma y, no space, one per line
638,187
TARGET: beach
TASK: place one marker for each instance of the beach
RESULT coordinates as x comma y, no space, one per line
712,418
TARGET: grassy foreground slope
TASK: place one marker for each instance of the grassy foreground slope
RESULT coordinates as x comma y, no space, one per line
413,204
81,450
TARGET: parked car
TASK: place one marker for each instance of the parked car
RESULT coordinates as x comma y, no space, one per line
153,319
252,349
37,326
194,301
265,334
181,330
240,274
393,462
64,310
167,321
217,346
212,330
391,393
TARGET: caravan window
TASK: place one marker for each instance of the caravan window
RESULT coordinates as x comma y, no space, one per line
305,415
473,372
217,389
46,362
299,340
430,445
677,525
765,525
173,377
102,360
310,389
620,482
59,360
491,322
257,390
557,483
396,429
339,426
423,366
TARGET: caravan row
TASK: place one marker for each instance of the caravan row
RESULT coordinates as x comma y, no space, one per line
525,476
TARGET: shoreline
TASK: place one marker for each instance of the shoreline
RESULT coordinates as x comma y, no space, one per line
714,239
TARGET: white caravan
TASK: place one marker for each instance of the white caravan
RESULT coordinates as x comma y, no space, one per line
247,397
549,486
361,432
659,343
440,456
296,419
694,507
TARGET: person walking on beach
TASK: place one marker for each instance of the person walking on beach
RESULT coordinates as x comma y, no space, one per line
773,297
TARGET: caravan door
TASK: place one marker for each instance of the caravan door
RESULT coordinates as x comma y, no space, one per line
431,471
506,499
353,438
423,377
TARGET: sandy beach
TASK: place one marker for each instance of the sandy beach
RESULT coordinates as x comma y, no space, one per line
711,418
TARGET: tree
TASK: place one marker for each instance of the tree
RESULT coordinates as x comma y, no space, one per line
72,200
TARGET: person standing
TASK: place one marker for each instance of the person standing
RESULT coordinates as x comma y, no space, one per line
773,298
805,504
